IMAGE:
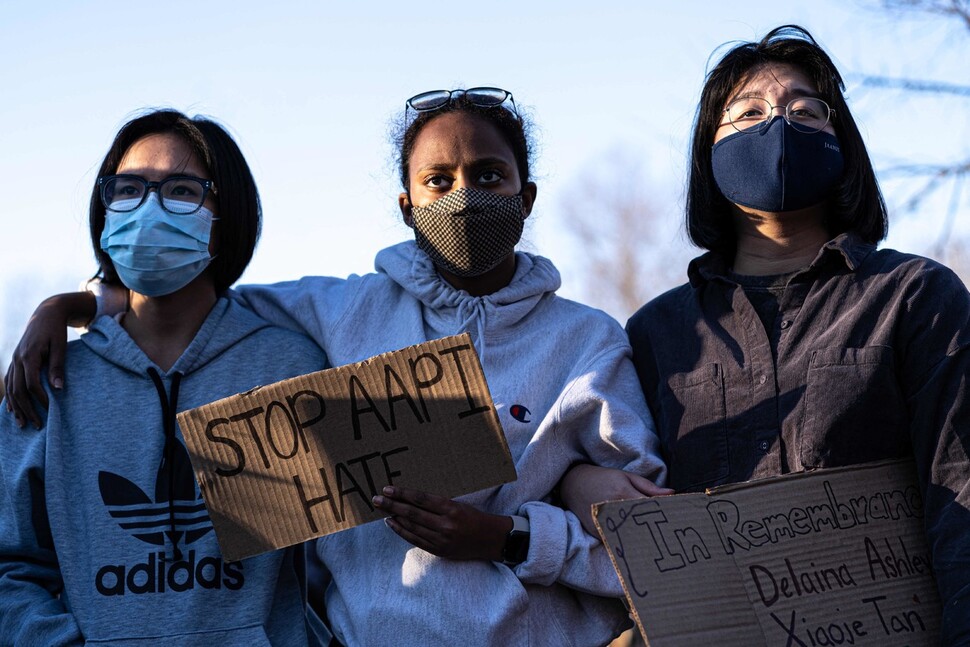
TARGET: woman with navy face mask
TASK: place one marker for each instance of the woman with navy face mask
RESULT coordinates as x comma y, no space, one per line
797,344
103,534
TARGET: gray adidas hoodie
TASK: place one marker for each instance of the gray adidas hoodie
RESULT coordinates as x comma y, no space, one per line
103,535
565,390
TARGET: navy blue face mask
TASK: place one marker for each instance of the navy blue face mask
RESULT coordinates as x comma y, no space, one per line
777,169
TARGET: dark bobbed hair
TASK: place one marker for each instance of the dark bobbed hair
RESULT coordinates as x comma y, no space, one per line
515,128
856,203
236,198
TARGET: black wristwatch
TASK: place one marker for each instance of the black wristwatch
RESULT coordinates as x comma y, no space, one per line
516,542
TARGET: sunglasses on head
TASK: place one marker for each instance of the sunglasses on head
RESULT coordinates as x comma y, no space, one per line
483,97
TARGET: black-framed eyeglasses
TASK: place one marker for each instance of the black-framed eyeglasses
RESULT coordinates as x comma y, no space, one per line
752,115
180,194
483,97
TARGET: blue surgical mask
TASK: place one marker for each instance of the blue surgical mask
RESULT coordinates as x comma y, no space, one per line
156,252
777,169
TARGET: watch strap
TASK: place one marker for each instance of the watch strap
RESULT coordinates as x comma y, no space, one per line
516,547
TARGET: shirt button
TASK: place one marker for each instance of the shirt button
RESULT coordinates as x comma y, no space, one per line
785,323
763,445
762,379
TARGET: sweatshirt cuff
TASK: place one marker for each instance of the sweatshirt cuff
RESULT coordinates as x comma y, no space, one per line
547,544
111,300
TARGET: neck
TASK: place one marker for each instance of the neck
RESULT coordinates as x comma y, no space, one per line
488,283
777,243
163,327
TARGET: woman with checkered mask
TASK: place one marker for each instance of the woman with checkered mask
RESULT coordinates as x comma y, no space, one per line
504,566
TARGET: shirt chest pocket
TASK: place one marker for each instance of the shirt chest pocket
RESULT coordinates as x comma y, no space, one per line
694,428
854,411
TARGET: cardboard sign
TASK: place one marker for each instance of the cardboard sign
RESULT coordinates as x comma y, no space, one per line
302,458
831,557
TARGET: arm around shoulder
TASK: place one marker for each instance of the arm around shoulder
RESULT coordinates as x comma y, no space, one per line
312,305
44,342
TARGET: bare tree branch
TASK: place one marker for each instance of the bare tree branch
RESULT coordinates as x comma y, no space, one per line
941,170
914,85
939,249
932,178
958,9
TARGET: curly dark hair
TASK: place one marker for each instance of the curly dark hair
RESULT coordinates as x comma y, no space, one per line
515,128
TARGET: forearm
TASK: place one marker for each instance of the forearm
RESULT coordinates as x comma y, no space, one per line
75,309
938,400
942,448
604,420
80,308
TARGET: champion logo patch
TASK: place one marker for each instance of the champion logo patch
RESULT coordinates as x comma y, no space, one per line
520,413
147,518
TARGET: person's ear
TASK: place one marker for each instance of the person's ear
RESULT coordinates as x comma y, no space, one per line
404,204
528,198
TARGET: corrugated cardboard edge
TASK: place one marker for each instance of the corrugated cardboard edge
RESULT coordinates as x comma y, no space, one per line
628,596
795,476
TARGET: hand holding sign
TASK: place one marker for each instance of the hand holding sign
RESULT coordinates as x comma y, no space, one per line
584,485
444,527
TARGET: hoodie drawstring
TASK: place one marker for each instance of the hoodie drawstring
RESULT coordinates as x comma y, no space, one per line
168,403
474,310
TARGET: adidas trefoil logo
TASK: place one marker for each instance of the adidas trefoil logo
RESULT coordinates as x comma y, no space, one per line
147,519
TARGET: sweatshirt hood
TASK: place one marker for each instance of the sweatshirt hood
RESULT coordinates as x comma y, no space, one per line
226,324
449,310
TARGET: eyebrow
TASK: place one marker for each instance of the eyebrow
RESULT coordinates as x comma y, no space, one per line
796,91
433,168
485,161
140,173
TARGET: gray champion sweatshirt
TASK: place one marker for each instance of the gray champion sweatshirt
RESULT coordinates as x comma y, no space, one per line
565,390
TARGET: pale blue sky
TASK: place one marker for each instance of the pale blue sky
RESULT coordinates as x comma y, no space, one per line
309,90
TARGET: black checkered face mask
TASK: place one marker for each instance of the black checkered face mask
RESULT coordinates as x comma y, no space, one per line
469,231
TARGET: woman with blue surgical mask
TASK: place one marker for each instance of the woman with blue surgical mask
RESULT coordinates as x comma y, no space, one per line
103,534
797,344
